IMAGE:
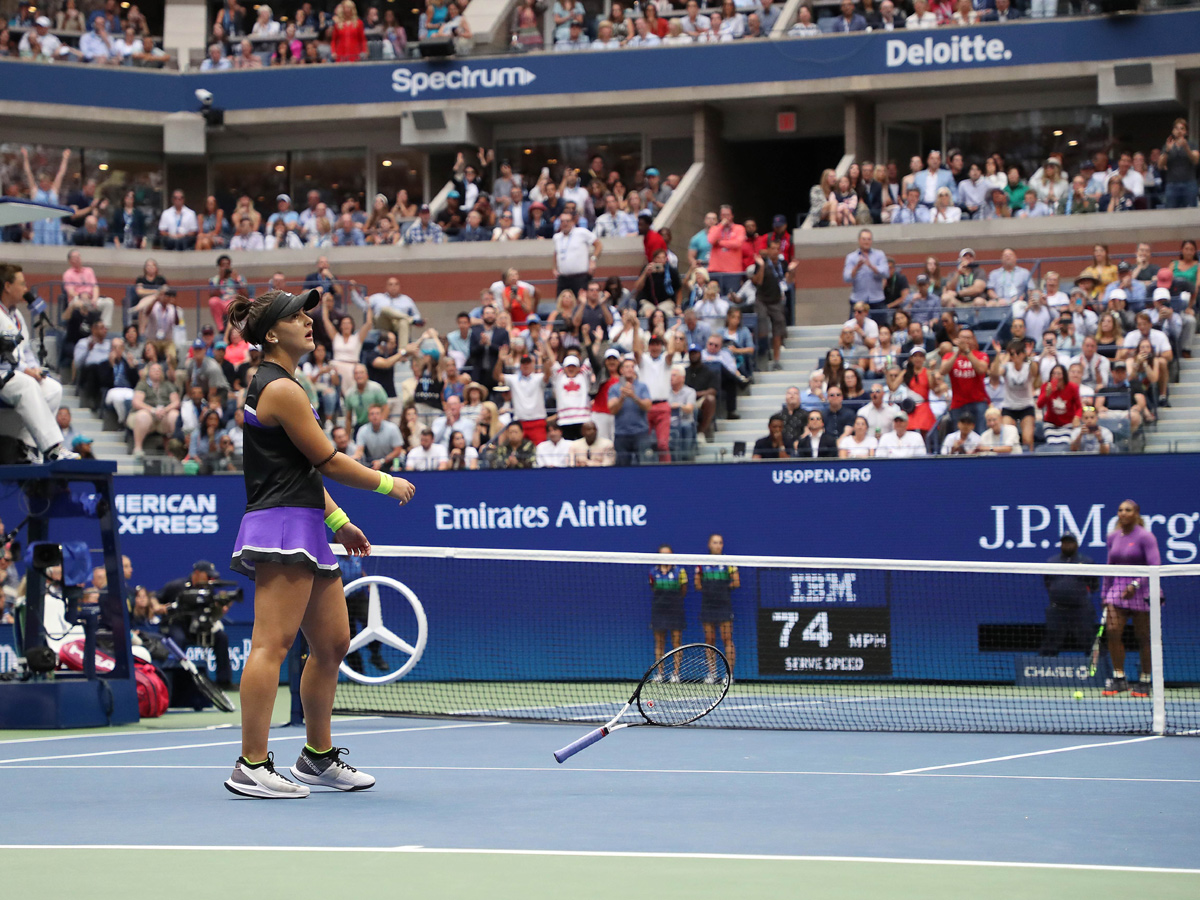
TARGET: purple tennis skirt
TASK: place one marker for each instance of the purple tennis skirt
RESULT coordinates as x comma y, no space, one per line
292,535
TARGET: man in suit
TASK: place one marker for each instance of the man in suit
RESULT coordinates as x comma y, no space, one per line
486,341
816,442
849,20
1003,12
932,178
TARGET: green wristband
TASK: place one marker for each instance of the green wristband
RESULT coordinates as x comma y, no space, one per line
336,519
385,483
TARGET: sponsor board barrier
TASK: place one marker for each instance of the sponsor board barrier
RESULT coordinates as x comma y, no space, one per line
1098,39
974,509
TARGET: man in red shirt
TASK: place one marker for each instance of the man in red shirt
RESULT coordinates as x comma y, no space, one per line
725,259
967,367
779,232
651,239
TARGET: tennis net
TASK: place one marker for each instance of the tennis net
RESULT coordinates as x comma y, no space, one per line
823,644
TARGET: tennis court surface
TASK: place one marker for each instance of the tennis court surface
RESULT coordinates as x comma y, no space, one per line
480,808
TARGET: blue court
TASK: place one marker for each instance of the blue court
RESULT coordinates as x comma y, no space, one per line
916,810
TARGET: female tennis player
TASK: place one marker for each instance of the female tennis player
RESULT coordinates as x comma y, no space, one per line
1129,544
716,603
282,546
668,587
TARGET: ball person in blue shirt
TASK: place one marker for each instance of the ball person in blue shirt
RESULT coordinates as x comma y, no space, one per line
715,584
668,587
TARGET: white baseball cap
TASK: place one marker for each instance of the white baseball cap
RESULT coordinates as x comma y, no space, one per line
571,360
1118,294
1162,294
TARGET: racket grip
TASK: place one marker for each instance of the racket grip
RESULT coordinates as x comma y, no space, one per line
586,741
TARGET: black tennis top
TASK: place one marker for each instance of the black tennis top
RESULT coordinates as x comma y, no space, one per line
277,473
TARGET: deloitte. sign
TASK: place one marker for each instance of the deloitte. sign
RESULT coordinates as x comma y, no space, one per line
406,81
962,48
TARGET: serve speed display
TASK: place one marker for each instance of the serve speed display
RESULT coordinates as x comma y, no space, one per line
824,641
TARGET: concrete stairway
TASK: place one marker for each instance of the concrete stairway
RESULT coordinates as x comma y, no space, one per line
105,444
804,346
1179,427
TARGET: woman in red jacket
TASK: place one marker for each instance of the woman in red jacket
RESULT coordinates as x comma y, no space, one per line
1060,405
349,41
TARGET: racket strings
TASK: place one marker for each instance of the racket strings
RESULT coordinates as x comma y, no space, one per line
686,684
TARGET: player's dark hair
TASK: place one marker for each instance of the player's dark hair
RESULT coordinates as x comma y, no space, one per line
244,313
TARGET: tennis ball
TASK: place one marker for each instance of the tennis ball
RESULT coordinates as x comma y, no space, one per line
1079,695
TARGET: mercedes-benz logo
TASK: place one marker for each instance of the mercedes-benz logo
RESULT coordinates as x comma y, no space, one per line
375,630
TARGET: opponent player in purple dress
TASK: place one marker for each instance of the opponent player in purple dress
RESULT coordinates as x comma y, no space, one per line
1129,544
282,545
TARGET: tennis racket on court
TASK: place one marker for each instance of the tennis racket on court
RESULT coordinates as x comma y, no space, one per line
683,686
203,683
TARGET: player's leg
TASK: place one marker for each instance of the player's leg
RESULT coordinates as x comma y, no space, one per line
326,627
1141,628
727,639
280,597
1114,628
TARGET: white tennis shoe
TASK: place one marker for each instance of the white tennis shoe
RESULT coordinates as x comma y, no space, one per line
328,770
263,782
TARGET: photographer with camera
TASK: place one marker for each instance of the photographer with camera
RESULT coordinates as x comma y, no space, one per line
194,612
23,384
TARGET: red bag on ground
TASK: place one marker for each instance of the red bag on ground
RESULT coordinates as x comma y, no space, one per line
153,696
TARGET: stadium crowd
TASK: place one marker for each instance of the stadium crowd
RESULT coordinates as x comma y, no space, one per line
513,207
933,192
967,361
100,32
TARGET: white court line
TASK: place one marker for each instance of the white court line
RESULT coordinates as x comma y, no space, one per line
109,734
980,762
578,769
615,854
290,737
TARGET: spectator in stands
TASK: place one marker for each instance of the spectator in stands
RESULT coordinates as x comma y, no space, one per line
933,177
726,240
512,449
865,270
246,238
591,449
1034,208
98,45
528,389
1118,198
963,442
265,25
1008,283
216,60
912,212
615,223
629,402
878,414
230,18
554,452
693,21
1002,12
379,439
773,446
424,231
900,442
1076,201
575,39
998,436
848,20
348,40
1179,327
576,251
805,25
247,58
45,189
1020,378
967,367
38,43
360,395
487,340
1049,183
177,226
155,408
1091,436
1060,404
1179,162
426,456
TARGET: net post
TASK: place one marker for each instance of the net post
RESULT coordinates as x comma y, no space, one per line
1159,706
